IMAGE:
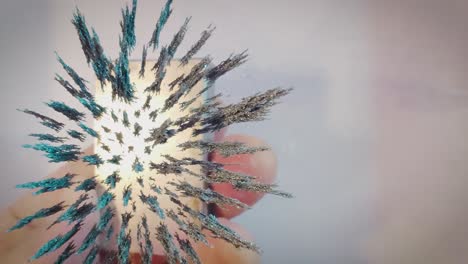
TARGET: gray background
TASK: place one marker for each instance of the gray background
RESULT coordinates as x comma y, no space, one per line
320,132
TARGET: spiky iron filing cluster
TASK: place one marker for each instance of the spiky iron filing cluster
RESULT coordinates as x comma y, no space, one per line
207,118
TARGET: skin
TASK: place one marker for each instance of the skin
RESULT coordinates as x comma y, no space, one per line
18,246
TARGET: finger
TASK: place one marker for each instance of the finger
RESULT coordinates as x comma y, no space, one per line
220,251
21,244
223,251
22,251
28,202
262,165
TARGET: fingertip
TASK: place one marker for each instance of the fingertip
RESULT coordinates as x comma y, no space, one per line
223,251
262,165
240,230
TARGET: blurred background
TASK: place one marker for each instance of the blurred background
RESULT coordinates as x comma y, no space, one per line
371,142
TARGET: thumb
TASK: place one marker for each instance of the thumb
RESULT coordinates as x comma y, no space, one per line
19,245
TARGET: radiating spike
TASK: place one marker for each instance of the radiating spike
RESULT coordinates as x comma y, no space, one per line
66,110
46,121
207,195
160,71
96,230
186,247
137,166
77,135
137,129
115,159
50,184
92,254
87,185
42,213
152,202
226,149
57,242
112,179
105,199
66,254
128,26
93,160
125,121
49,137
114,116
57,153
252,108
76,212
165,14
206,34
89,130
141,74
76,78
229,64
92,48
161,134
166,240
127,195
177,39
124,240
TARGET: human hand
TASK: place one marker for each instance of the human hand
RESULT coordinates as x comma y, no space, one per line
18,246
